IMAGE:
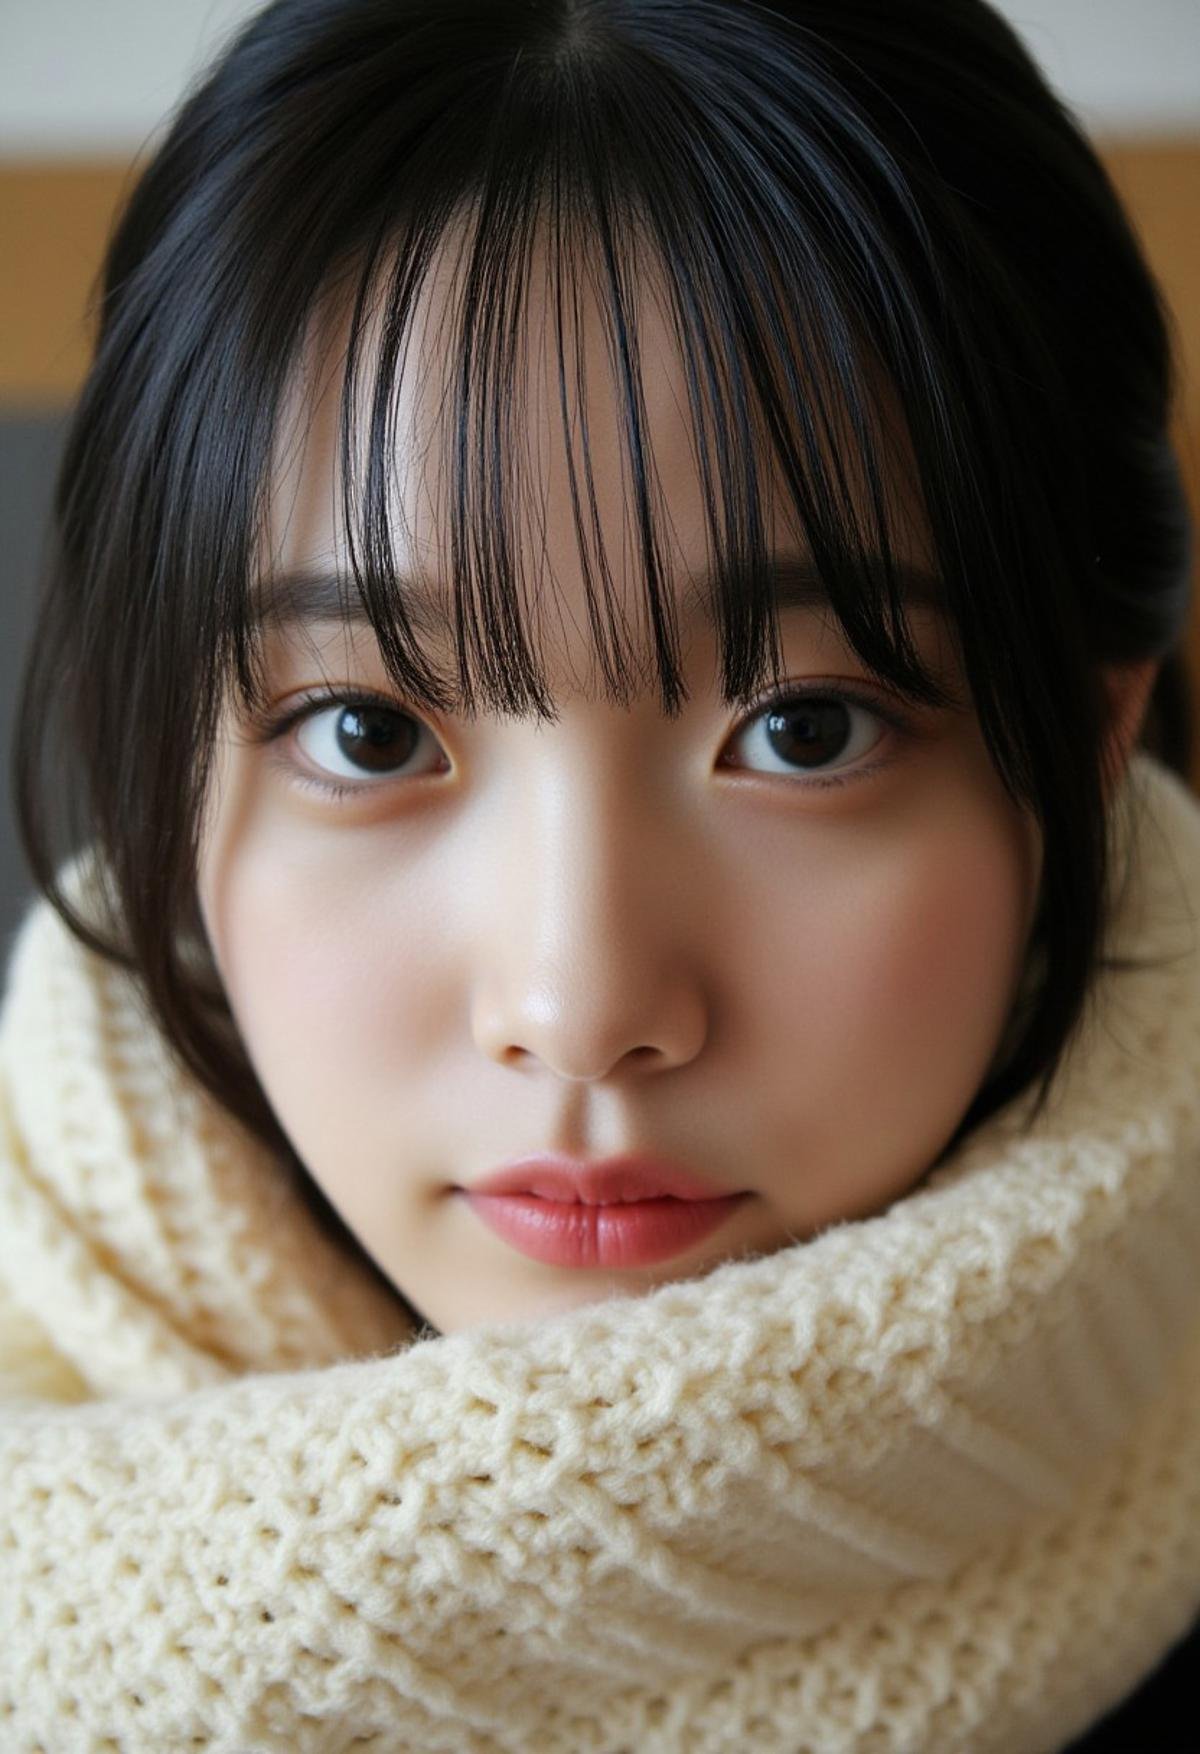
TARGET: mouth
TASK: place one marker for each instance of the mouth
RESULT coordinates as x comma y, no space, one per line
616,1234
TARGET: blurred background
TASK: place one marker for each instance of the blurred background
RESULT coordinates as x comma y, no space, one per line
85,87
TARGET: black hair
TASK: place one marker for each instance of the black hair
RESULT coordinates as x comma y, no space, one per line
840,197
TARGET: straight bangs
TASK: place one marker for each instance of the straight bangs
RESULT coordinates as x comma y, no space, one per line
579,190
789,430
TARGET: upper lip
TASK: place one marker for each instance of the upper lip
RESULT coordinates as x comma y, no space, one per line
611,1181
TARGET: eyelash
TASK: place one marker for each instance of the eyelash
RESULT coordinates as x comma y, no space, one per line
271,728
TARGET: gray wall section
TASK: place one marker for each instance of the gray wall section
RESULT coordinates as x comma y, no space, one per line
29,452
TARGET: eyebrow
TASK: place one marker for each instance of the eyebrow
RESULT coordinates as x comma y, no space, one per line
282,600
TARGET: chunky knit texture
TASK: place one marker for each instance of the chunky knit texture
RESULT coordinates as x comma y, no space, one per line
925,1484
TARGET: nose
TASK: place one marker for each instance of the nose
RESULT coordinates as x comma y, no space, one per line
591,967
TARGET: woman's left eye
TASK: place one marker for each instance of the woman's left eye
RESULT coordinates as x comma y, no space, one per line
818,734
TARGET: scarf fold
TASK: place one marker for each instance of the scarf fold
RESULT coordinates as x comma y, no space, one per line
927,1483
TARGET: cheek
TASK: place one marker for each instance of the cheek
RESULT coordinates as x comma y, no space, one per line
298,976
948,941
322,1000
906,987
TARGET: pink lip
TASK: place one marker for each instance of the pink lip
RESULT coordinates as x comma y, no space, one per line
625,1212
612,1181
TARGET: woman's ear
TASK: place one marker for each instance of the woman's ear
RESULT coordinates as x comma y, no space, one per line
1128,687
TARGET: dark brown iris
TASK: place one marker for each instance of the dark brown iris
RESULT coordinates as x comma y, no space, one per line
375,738
809,733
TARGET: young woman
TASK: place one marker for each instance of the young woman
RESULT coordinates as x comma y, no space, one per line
600,1106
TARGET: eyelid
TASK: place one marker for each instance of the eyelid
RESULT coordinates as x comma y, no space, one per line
312,700
886,707
272,724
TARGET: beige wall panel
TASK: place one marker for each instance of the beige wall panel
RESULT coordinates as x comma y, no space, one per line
54,223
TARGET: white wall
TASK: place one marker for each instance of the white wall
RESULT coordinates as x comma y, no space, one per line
98,75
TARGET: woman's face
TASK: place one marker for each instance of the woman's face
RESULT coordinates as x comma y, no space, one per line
616,933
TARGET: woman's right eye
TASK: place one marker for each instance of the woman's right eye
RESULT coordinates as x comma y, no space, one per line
354,741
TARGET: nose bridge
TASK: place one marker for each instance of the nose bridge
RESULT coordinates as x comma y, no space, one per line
582,857
589,964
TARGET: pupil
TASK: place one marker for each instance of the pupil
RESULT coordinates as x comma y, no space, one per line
809,733
372,736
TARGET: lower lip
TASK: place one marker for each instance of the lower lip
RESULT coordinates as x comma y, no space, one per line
635,1234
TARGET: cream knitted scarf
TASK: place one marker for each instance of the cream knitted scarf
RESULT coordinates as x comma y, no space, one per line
925,1484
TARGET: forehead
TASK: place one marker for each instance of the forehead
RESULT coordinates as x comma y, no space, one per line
586,440
290,600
